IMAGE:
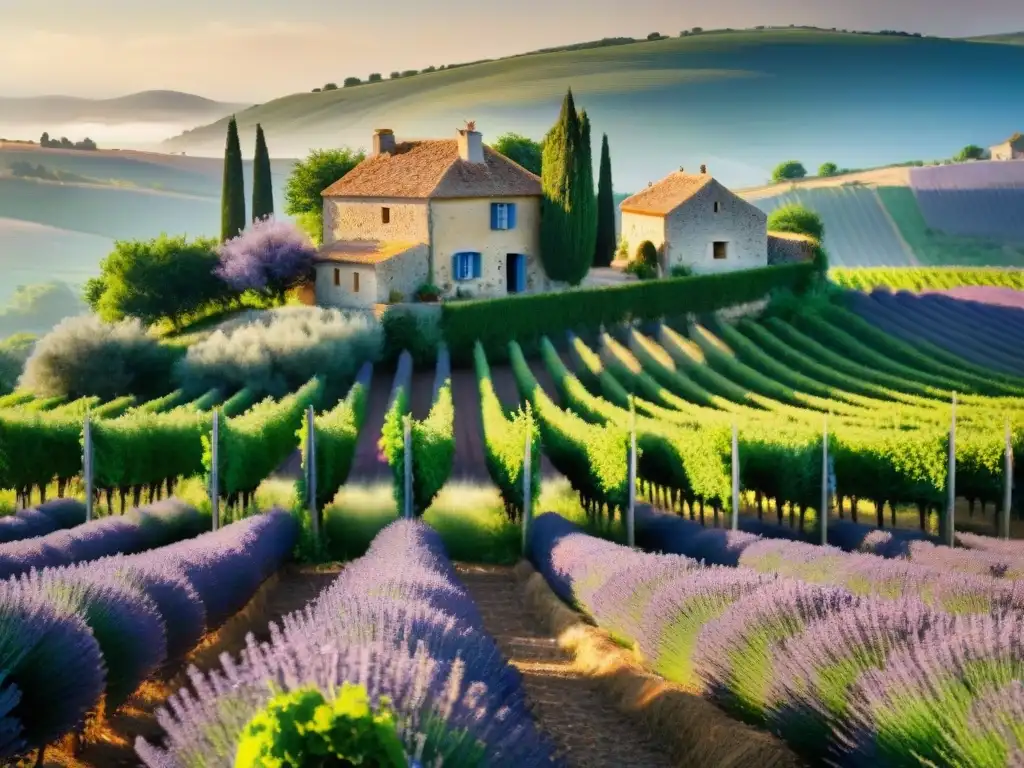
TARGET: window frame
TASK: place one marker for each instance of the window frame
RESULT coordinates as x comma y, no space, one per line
385,214
714,250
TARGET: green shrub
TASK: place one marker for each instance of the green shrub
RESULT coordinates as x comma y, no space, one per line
301,729
798,219
433,443
416,332
505,438
527,318
647,253
641,269
681,270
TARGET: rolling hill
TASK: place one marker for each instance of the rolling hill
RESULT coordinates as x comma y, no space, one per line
51,230
738,101
958,214
144,107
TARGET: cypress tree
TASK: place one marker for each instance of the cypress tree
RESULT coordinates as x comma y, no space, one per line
568,225
585,204
262,187
604,250
232,202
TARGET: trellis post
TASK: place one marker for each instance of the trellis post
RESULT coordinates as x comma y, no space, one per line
823,512
1004,523
215,470
735,477
527,479
631,511
87,468
951,480
407,495
314,514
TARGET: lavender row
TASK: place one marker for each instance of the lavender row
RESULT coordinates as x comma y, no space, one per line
142,529
397,625
38,521
80,639
976,555
927,571
845,679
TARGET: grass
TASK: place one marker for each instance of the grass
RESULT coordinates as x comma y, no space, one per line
470,519
937,249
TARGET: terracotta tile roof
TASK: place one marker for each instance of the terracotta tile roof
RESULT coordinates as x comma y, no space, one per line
362,251
432,168
666,195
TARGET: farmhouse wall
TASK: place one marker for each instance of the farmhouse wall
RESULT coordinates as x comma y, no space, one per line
362,219
694,227
637,227
464,225
403,273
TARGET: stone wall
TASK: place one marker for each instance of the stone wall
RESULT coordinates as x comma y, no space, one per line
789,248
693,228
362,219
465,225
403,273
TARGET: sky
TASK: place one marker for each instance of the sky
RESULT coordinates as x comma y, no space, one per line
255,50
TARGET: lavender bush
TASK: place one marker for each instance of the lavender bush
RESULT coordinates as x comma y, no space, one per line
269,257
276,352
53,660
396,622
143,529
887,663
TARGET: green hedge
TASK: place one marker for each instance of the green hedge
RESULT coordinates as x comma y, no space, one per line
525,319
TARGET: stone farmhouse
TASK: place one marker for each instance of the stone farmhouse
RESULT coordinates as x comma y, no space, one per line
1011,149
696,222
451,212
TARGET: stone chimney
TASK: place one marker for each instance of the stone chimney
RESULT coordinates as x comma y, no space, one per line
471,144
703,170
383,141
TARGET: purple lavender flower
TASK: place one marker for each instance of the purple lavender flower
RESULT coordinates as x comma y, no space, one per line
816,669
918,706
52,657
734,654
386,625
270,256
125,623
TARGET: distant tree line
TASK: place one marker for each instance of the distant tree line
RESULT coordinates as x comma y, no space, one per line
65,143
793,170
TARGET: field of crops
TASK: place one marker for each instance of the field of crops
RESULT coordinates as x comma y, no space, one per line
94,611
982,199
857,231
958,281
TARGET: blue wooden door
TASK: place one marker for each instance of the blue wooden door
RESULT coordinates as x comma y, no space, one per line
520,273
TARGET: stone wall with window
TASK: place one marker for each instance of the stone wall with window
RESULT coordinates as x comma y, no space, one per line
375,219
716,231
471,226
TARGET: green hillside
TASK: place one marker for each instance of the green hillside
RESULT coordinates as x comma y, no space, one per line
855,99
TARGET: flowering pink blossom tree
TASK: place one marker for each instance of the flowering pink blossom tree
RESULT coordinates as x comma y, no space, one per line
269,257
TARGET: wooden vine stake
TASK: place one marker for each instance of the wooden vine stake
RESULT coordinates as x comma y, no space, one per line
87,468
823,512
215,470
314,514
735,477
631,511
407,495
527,479
951,480
1004,521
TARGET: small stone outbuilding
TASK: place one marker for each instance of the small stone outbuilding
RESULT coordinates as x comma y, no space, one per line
1011,149
696,222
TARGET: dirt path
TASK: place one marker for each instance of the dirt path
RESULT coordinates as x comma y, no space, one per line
367,466
589,731
421,394
113,746
470,464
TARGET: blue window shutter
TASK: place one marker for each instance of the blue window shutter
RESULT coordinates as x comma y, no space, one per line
521,269
494,215
477,266
455,266
511,215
